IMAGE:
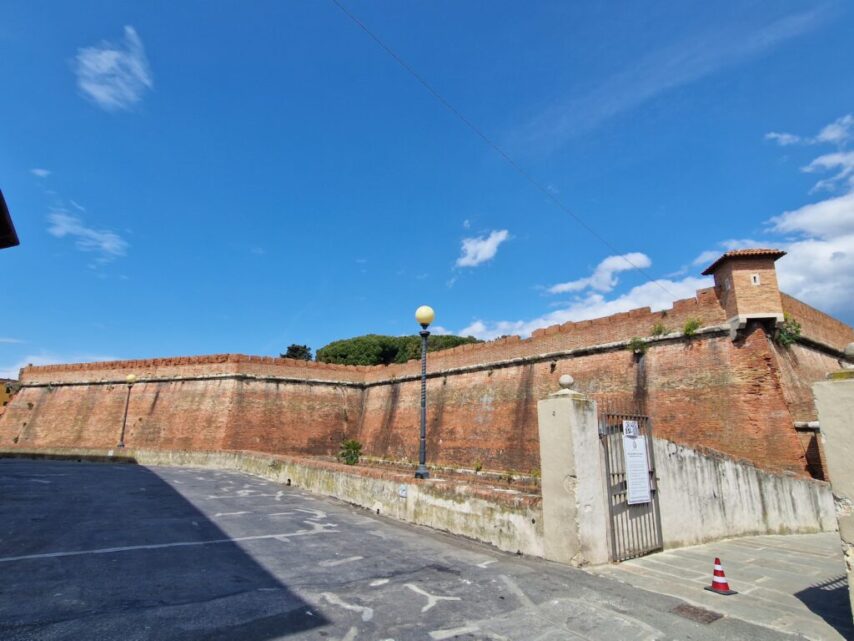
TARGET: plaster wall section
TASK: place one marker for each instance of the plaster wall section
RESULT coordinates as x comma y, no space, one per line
835,401
705,496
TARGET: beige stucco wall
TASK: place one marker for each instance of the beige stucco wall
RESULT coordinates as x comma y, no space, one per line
706,496
834,399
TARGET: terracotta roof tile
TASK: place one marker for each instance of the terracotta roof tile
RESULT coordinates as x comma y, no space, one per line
737,253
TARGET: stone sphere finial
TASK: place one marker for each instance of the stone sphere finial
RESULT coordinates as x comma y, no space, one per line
847,360
566,381
849,351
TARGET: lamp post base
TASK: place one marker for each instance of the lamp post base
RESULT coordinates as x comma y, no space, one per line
422,472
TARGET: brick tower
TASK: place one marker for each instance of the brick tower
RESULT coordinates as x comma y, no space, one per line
746,282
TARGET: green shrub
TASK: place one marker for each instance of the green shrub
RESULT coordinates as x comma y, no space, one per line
788,332
478,466
376,349
691,326
351,451
659,329
637,345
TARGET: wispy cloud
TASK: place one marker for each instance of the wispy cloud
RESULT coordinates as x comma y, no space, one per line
839,132
672,66
604,277
10,341
39,172
108,244
114,75
481,249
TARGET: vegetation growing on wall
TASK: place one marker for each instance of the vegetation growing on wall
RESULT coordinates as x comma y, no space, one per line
637,345
788,332
691,326
376,349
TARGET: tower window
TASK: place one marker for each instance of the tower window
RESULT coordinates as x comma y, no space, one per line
754,278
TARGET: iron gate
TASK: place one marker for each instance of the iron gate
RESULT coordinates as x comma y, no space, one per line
635,530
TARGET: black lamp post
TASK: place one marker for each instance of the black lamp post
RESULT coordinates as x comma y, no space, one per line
424,315
131,379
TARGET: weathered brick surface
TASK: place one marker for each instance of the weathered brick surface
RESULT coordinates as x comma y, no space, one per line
738,397
738,293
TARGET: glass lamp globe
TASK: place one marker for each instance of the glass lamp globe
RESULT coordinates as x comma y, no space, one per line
424,315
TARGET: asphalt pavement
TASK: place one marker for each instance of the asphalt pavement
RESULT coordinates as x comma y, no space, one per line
92,551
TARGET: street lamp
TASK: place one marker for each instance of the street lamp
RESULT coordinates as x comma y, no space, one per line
130,379
424,315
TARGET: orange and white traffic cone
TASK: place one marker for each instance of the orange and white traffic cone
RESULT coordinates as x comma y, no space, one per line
719,582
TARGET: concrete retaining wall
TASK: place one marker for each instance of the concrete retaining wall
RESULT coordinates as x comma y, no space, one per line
706,496
511,521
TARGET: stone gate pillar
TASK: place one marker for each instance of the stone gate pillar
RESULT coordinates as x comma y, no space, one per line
574,510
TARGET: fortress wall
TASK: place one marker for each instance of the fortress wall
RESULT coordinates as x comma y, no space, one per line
705,307
817,325
708,392
738,398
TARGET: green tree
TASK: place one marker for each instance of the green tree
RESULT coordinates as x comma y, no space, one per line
376,349
299,352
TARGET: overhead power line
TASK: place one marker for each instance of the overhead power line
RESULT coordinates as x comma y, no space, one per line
493,145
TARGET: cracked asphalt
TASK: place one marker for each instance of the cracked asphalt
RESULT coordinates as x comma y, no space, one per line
120,551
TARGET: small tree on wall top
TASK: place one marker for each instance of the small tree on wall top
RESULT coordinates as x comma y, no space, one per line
299,352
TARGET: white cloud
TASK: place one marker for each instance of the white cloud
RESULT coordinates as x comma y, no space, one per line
10,341
680,63
783,139
826,219
604,277
46,358
481,249
820,272
657,294
114,75
40,173
107,243
842,161
839,132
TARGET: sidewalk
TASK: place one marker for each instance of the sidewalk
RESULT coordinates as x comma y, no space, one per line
794,583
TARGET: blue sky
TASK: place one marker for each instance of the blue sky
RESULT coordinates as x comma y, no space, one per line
204,177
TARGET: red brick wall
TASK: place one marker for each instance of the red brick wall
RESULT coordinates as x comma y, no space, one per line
736,397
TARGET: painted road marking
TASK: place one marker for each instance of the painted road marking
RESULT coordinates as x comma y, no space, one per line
432,599
230,514
439,635
333,563
317,528
378,582
517,591
334,599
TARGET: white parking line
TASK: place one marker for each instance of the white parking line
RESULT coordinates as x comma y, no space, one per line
316,529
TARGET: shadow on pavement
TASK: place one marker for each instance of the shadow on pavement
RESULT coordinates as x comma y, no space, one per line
829,600
146,571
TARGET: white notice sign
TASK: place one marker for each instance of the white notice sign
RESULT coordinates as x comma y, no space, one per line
637,465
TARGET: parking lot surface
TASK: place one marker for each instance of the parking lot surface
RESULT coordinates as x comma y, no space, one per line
92,551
